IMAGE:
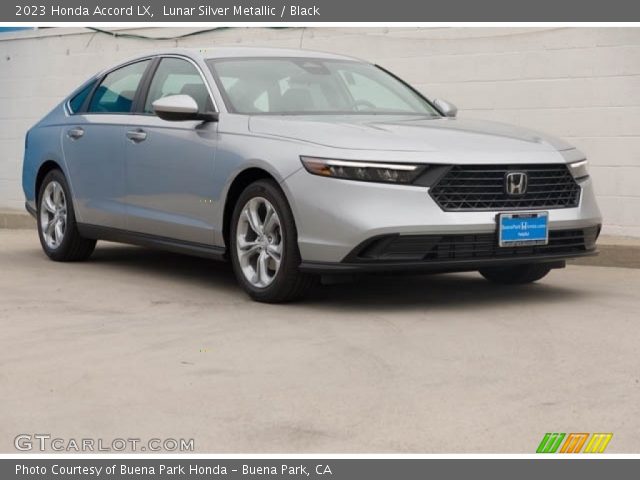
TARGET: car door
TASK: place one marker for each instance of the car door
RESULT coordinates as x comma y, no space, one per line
93,142
170,164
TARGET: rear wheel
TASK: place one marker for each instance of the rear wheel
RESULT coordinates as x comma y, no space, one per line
57,226
264,245
516,274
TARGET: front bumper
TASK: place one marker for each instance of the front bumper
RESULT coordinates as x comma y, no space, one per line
451,253
334,217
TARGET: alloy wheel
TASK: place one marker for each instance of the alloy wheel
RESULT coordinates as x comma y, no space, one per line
259,242
53,215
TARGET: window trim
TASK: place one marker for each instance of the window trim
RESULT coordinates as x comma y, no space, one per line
410,87
143,88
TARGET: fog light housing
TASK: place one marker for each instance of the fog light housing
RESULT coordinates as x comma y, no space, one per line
579,169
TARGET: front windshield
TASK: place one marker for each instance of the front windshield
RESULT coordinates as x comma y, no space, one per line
308,86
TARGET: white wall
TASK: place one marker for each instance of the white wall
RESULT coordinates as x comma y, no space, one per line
582,84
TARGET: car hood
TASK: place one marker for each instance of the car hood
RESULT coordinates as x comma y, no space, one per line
405,133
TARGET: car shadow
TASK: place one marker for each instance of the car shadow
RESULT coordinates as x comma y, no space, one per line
450,291
184,268
383,292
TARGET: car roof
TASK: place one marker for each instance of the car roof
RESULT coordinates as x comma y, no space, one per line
207,53
237,51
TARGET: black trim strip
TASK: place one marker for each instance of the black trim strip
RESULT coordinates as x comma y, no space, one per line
556,261
466,246
85,104
143,88
145,240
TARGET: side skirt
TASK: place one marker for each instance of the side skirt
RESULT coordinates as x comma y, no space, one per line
32,211
144,240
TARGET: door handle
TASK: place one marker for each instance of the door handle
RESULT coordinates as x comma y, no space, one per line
137,136
75,133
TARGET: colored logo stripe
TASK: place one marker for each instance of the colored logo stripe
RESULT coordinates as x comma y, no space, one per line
598,442
550,443
574,443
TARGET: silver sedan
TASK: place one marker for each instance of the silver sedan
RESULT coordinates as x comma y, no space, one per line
295,164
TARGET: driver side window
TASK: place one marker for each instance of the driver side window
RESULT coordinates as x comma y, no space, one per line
175,76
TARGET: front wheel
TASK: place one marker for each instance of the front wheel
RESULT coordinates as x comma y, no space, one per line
264,245
516,274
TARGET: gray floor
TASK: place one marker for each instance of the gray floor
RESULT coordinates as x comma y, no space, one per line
143,344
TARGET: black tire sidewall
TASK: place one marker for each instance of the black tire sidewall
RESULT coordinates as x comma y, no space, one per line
291,256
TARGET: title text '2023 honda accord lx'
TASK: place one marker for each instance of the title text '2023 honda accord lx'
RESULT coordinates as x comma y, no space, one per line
295,164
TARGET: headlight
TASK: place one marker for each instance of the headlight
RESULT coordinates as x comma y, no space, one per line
363,171
579,169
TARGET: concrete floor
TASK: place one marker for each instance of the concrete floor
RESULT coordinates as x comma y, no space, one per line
142,344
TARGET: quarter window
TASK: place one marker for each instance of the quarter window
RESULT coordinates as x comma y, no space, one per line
118,89
75,104
175,76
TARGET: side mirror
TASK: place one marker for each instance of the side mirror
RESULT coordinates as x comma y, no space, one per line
176,108
447,109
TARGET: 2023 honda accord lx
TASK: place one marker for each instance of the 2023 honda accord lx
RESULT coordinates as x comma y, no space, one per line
295,164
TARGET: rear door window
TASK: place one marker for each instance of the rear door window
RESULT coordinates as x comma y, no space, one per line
118,89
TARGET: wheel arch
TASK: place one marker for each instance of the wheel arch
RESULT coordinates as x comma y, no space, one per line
43,170
241,181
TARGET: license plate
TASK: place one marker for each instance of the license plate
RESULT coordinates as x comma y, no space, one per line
522,229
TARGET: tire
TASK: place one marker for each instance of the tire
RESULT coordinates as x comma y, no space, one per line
274,281
517,274
64,244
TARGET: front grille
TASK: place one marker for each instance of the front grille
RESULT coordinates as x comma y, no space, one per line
482,187
471,246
